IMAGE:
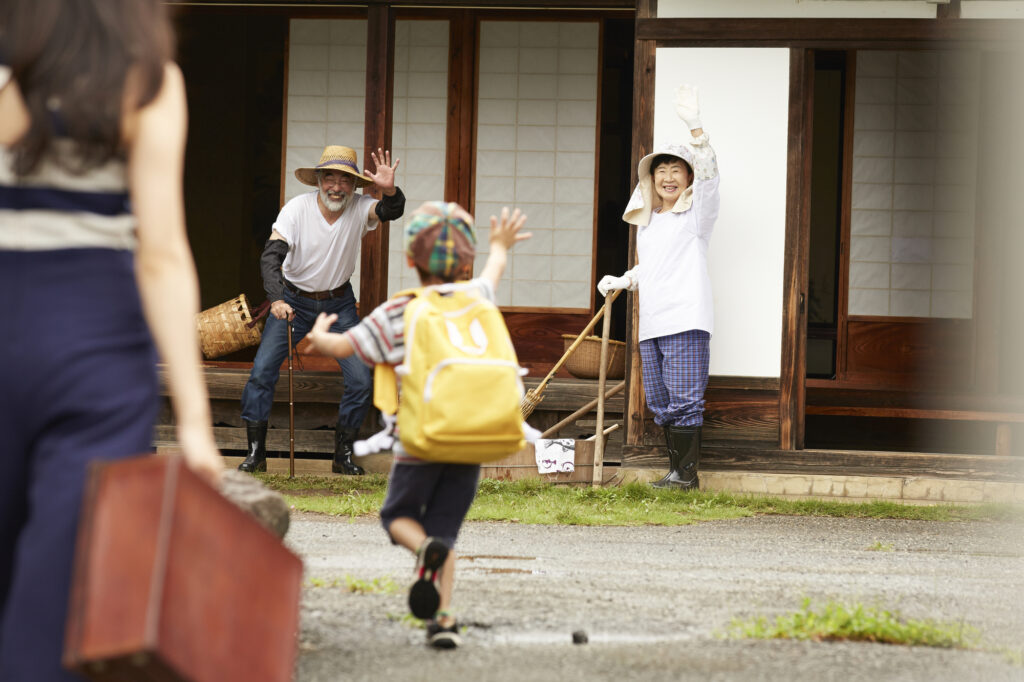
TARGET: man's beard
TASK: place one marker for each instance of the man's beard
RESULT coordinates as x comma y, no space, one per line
335,205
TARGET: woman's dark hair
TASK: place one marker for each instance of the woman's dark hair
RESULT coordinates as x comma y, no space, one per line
668,158
74,62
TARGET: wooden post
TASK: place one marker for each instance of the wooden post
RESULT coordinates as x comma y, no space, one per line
380,86
792,398
1003,440
459,150
643,140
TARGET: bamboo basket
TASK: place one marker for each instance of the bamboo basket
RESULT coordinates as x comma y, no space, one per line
536,394
227,327
585,362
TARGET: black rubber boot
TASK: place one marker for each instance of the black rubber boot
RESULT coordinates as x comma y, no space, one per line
343,464
684,453
256,434
673,460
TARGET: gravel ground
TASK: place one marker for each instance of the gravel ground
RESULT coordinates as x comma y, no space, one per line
653,600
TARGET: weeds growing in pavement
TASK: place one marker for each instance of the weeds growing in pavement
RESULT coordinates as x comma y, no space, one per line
407,619
539,502
881,547
383,585
836,621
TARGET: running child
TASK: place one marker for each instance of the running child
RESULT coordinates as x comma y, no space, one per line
427,501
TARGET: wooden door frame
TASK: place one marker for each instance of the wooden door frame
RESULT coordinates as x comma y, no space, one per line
801,36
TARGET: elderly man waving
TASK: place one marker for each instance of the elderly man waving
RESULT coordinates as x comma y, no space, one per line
306,266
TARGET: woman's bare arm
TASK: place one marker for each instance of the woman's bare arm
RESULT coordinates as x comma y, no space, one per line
165,270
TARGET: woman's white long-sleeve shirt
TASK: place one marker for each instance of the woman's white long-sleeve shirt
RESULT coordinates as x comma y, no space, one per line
672,268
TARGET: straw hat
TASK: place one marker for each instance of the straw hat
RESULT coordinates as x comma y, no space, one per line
638,210
335,157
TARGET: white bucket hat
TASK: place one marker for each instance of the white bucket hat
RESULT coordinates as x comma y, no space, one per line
642,202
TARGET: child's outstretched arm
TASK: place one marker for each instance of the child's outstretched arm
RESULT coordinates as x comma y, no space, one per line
504,235
327,342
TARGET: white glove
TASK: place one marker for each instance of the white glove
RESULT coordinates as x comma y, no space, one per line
613,283
688,107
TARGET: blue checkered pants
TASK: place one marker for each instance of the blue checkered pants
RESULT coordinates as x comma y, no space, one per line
675,370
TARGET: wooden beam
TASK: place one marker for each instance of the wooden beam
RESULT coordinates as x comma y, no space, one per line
994,217
380,81
950,10
333,5
916,413
794,295
460,143
228,438
846,213
757,458
824,399
826,33
861,463
643,141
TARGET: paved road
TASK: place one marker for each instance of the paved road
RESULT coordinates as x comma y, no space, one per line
653,600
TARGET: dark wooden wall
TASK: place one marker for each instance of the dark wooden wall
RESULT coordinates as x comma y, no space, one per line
233,61
234,79
909,353
738,412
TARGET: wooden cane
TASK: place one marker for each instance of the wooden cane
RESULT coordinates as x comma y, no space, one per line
291,409
601,377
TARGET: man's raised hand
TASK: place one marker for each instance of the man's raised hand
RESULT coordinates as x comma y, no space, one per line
384,176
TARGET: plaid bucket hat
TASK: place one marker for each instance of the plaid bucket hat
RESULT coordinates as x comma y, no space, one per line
335,157
438,239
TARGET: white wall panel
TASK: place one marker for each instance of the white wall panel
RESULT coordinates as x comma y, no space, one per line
803,9
536,132
744,108
326,89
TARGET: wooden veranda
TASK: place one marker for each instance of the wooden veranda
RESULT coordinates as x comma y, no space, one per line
732,440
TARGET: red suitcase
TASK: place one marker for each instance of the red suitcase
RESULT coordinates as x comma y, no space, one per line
174,582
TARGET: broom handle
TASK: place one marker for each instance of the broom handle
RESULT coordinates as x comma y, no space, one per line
579,339
580,412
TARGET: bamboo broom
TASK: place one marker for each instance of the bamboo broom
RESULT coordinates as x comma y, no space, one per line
535,395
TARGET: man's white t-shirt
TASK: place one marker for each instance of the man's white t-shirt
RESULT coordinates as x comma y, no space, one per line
321,255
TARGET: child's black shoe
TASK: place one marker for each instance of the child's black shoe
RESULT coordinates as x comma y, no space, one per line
440,637
423,596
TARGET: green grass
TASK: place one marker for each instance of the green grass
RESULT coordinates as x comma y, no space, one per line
881,547
384,585
539,502
408,620
858,623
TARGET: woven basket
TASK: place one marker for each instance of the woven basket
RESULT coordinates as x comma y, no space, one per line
585,362
223,328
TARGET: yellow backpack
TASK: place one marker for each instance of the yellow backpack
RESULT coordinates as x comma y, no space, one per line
461,382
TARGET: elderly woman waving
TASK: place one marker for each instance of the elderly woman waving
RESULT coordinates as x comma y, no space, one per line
674,206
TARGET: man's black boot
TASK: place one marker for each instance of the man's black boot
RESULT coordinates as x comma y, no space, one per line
343,464
256,435
684,444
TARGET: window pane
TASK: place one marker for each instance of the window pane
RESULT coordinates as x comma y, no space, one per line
326,95
536,145
914,169
420,110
